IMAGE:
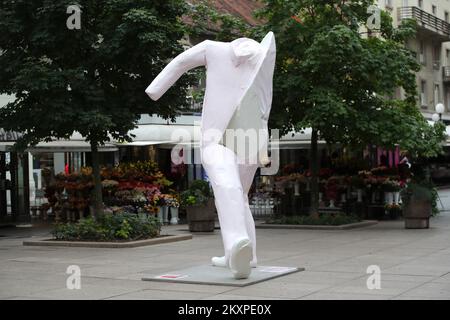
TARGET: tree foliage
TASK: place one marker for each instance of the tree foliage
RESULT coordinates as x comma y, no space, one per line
335,78
90,80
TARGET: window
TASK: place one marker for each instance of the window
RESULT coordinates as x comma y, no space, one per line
434,9
422,58
420,4
448,101
446,16
388,3
436,57
405,3
447,57
423,94
437,93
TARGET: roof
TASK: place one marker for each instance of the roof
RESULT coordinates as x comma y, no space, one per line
240,8
243,9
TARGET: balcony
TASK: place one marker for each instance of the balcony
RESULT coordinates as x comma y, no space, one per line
427,23
446,74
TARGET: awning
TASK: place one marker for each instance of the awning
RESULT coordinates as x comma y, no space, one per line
69,146
5,146
141,143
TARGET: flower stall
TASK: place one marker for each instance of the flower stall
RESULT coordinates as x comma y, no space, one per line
138,187
371,193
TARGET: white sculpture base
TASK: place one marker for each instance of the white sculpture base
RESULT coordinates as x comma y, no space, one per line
210,275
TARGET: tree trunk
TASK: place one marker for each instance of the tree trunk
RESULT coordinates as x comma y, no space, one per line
97,199
314,166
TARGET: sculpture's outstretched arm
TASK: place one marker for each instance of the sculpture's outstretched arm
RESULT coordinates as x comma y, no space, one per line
189,59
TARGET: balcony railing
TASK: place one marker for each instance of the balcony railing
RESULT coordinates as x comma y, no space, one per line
424,19
446,74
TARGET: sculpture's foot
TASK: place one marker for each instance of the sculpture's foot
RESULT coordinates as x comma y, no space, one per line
241,255
221,262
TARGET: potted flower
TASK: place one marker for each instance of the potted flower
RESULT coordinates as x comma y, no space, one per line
391,188
331,190
173,203
199,204
357,182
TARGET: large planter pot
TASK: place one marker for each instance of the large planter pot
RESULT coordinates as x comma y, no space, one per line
201,218
417,214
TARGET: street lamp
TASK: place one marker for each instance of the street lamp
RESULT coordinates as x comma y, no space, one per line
439,111
435,117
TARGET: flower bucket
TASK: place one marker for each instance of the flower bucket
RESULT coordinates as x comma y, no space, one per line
397,197
173,215
165,214
159,215
388,197
359,194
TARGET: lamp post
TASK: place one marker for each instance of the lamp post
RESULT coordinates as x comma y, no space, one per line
439,111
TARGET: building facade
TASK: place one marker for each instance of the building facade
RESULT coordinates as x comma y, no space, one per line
431,47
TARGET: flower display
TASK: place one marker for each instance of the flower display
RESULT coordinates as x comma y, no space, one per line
391,185
172,201
128,187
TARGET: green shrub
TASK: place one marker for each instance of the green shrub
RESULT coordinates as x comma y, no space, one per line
331,219
109,227
197,194
421,191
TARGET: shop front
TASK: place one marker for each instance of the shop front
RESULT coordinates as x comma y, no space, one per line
14,181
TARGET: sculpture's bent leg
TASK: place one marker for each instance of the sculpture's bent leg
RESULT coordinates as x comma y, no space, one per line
222,167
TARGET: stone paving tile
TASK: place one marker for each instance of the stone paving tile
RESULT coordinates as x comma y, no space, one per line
279,289
415,264
315,277
12,287
239,297
164,286
321,295
418,268
391,288
160,295
431,290
405,297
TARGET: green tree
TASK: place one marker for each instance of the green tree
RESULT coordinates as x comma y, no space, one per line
340,81
92,79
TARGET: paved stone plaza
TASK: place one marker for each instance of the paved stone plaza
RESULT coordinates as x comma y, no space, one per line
415,264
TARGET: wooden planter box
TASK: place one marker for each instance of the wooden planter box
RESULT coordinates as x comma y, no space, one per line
417,214
202,218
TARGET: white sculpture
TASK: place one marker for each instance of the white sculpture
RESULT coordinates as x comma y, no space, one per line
237,100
